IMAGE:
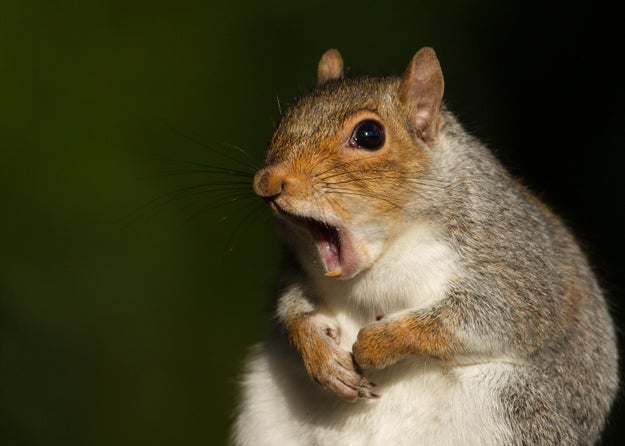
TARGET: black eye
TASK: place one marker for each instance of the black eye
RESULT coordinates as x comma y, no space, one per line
368,134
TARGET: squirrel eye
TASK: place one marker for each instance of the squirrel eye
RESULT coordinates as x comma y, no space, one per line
368,134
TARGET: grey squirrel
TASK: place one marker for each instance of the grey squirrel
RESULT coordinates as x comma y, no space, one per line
416,262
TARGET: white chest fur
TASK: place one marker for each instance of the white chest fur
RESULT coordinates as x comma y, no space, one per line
412,272
423,401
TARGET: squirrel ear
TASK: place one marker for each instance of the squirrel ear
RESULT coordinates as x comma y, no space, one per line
421,91
330,67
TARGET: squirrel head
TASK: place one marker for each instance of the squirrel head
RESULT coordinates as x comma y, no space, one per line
344,164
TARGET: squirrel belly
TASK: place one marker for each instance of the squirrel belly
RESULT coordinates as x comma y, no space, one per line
426,296
422,402
413,272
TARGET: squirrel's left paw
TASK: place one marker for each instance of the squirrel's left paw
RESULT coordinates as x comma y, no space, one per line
381,343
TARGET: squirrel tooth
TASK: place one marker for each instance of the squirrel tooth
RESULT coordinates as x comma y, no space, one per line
334,273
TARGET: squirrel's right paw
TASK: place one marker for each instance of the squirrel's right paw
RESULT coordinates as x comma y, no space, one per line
335,369
327,363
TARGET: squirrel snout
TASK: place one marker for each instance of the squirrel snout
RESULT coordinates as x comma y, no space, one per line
269,182
275,181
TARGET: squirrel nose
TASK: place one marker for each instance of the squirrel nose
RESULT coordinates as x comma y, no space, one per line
269,182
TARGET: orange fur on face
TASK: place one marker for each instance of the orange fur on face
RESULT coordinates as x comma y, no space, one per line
331,175
320,149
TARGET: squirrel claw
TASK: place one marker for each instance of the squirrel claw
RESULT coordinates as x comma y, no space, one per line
365,390
344,377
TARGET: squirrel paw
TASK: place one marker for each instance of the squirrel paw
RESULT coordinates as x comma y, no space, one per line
380,344
340,374
318,342
334,368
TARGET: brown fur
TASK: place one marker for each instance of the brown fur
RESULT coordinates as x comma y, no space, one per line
385,342
523,290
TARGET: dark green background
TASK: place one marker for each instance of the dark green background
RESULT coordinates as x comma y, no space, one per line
122,323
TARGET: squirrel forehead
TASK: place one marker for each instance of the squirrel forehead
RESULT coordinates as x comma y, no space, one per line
323,111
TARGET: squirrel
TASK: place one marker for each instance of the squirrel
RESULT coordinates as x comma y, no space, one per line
426,297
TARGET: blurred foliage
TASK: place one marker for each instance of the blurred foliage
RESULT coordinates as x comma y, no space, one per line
127,302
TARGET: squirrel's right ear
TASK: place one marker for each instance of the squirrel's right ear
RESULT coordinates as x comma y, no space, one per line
330,67
421,91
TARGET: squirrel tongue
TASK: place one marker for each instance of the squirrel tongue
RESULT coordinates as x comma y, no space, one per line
331,254
329,245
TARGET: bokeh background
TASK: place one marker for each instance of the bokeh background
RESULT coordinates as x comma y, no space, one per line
128,298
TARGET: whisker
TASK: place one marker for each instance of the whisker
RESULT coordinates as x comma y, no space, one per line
363,194
236,231
197,189
244,152
214,194
219,202
334,167
243,184
241,179
365,175
406,184
279,105
347,163
221,153
211,169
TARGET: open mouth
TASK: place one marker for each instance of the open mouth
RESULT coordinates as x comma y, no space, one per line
333,244
328,241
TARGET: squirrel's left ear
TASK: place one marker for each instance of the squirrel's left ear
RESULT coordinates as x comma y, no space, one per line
421,91
330,67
